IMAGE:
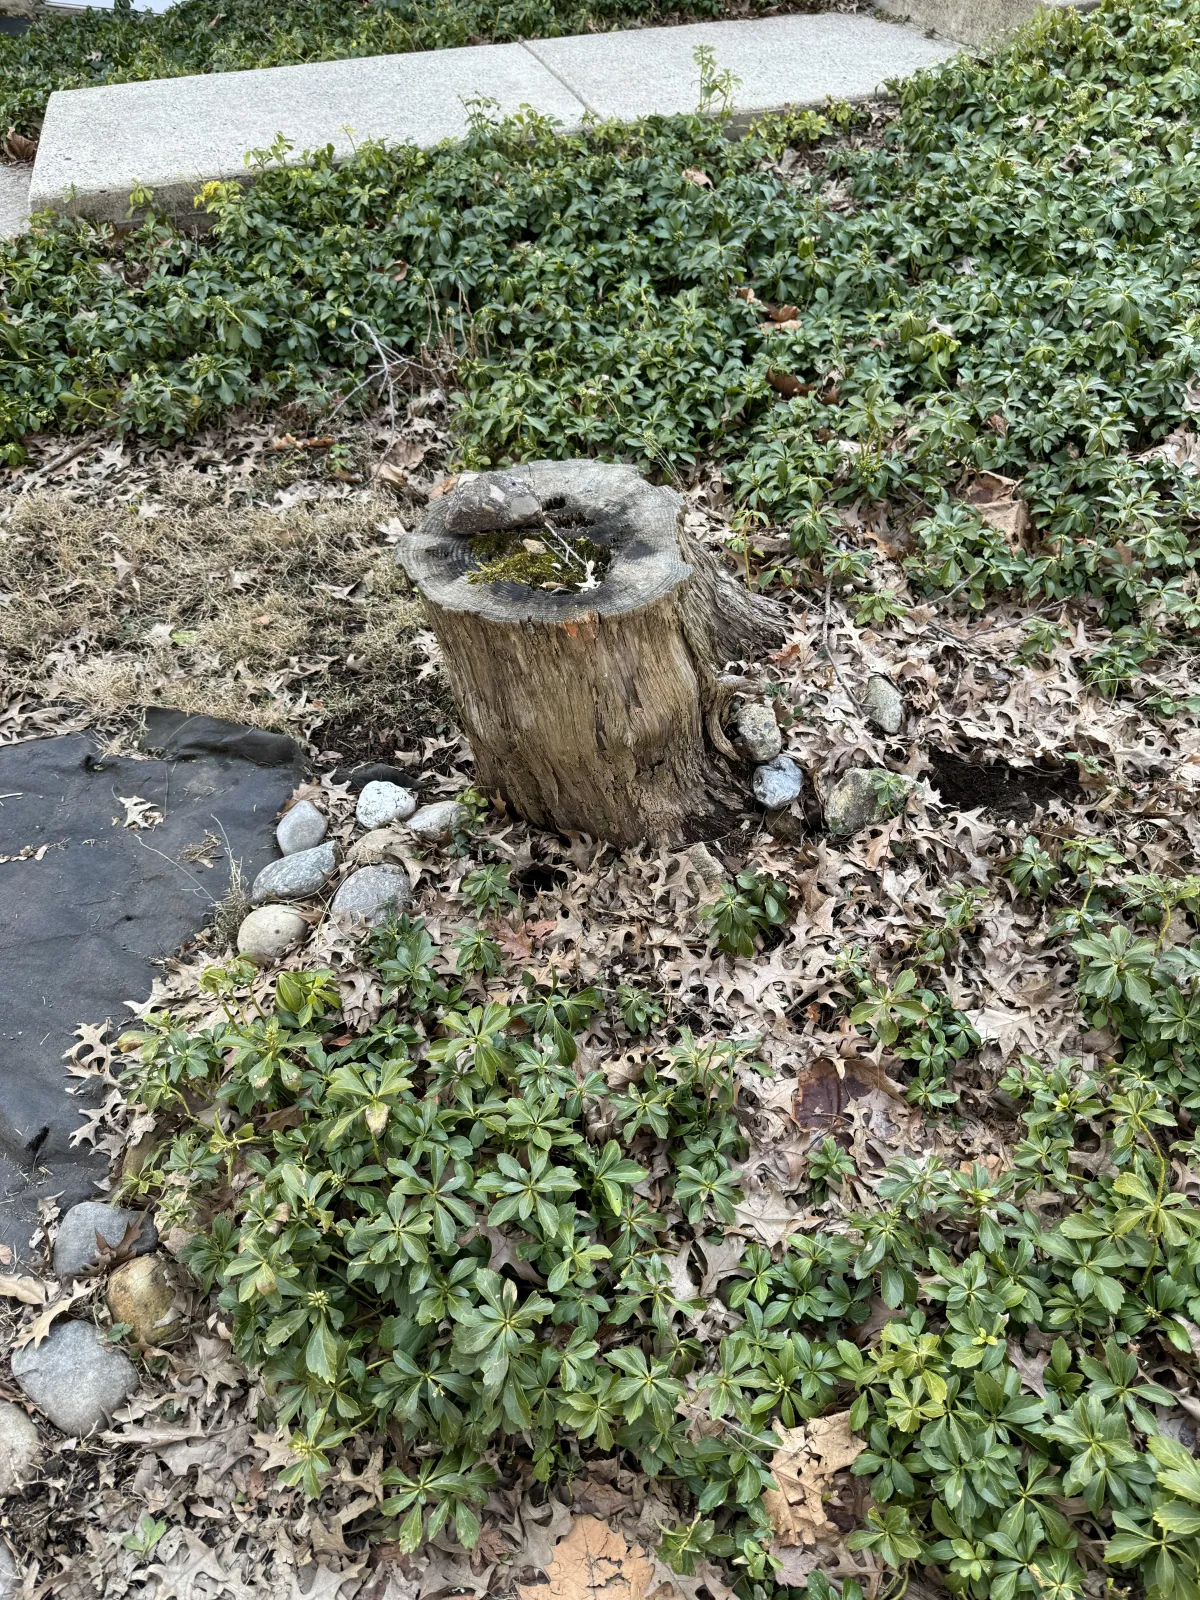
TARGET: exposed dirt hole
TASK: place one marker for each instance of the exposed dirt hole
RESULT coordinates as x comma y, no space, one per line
537,878
1012,792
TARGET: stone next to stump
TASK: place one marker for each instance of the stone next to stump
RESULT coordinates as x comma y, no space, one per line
80,927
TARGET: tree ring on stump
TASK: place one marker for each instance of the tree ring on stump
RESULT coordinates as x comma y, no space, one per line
617,509
597,711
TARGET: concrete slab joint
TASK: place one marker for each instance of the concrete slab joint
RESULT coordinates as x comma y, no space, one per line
173,135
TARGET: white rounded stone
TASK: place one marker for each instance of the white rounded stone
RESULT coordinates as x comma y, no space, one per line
777,783
270,932
380,804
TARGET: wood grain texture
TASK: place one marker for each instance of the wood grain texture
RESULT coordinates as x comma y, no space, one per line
598,713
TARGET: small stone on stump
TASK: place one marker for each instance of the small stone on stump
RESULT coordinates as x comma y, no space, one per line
758,731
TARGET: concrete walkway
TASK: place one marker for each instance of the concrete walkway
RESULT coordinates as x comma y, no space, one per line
175,134
14,200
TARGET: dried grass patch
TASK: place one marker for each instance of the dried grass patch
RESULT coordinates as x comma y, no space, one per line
291,616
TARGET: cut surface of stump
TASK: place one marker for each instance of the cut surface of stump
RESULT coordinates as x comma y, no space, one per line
593,706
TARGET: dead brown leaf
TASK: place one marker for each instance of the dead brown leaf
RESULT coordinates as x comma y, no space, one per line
593,1560
1180,448
721,1257
111,1255
998,502
37,1330
543,1527
830,1438
30,1291
1031,1368
786,383
19,147
502,1253
767,1214
808,1458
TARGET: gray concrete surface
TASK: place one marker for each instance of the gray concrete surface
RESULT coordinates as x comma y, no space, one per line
14,200
175,134
172,135
799,60
72,8
974,22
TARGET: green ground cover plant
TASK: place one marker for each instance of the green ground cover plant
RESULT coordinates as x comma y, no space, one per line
441,1222
1006,284
123,45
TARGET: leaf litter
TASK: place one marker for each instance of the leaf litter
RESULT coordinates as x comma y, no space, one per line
188,1447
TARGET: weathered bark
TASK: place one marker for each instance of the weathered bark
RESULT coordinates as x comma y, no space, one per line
598,712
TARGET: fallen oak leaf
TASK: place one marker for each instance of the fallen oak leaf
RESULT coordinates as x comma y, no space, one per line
541,1537
502,1253
830,1437
20,147
111,1255
694,175
139,813
30,1291
767,1214
593,1560
278,1448
721,1257
1031,1368
40,1327
803,1466
288,441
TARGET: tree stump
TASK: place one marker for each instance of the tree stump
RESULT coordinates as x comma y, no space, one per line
596,712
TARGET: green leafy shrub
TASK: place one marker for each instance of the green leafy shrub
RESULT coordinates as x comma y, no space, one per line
366,1199
488,889
423,1227
744,911
917,1024
588,289
638,1010
827,1166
